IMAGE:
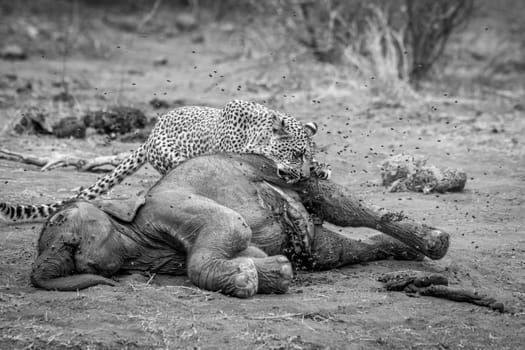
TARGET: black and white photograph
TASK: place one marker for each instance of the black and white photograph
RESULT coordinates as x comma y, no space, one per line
262,174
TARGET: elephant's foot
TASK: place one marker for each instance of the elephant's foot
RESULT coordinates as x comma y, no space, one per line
391,248
275,274
245,280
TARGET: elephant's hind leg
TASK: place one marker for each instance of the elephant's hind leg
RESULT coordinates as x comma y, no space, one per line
213,262
332,250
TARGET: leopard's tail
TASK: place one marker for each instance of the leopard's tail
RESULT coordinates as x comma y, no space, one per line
13,213
16,213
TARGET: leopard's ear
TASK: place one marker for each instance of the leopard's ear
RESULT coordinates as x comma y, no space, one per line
311,128
279,125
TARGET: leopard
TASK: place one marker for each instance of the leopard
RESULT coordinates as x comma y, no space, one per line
190,131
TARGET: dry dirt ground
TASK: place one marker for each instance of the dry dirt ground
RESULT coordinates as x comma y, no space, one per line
343,308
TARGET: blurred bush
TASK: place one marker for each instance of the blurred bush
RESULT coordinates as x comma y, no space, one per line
386,39
429,25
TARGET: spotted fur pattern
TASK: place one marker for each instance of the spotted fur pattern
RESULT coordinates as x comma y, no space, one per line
187,132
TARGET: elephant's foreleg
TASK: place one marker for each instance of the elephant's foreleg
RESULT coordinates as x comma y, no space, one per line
336,204
237,277
332,250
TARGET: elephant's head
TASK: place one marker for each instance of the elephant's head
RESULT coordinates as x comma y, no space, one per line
57,265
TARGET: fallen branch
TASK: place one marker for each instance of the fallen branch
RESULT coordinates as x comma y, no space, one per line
435,285
315,316
276,317
62,160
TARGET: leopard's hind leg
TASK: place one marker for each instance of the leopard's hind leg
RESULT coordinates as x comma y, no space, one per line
165,157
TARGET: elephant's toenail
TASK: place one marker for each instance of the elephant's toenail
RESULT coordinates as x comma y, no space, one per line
286,270
284,285
282,259
242,281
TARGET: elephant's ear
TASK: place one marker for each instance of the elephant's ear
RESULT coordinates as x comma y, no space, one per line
124,209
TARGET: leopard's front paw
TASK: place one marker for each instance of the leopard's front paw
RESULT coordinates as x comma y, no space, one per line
321,171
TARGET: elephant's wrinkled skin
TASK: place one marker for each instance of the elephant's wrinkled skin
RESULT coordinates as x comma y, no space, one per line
223,220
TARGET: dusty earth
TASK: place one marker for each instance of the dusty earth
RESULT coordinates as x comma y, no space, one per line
344,308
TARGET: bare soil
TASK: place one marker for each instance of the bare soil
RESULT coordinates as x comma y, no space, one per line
339,309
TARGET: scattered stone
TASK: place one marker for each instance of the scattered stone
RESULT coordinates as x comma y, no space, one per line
138,72
64,97
198,38
32,31
11,76
13,52
24,88
115,120
186,22
227,27
161,61
157,103
12,83
404,172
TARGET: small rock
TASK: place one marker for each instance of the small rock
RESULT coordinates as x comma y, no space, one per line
198,38
161,61
403,172
11,76
186,22
136,72
32,31
64,97
227,27
13,52
158,103
24,88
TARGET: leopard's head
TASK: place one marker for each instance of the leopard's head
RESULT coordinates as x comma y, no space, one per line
291,147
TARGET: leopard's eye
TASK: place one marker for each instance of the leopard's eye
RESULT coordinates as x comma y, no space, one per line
299,154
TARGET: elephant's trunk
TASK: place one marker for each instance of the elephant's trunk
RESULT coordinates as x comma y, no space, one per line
54,270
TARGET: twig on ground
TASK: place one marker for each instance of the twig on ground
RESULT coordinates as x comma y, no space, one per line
62,160
151,279
436,285
276,317
314,316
